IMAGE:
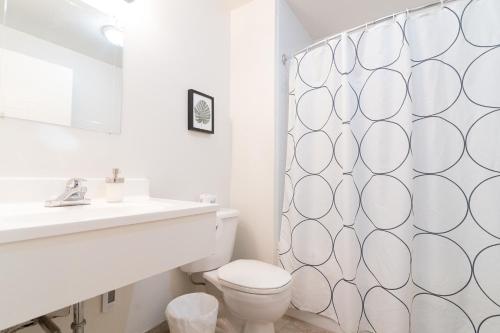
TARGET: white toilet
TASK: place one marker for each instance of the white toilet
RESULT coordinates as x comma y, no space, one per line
256,293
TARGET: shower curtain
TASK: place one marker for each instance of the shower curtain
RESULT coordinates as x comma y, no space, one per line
391,211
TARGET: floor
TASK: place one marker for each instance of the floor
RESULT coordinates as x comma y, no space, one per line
284,325
291,325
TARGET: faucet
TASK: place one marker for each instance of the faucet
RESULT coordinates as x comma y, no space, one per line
73,195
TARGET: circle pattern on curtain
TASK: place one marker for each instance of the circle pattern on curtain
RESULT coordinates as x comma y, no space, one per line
391,211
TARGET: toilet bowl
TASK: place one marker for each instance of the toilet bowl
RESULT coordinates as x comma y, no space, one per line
255,294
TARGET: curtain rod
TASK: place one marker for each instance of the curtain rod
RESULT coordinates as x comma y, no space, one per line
366,25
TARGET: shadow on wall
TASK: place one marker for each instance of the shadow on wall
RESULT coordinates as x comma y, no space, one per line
97,321
127,316
244,231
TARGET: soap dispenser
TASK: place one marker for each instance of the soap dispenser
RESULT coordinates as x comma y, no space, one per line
115,187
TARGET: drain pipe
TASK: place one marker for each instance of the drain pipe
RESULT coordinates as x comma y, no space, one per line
78,325
47,325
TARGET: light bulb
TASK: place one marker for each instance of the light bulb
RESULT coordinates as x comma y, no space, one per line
113,35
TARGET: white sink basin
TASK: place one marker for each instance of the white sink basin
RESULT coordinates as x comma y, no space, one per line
54,257
23,221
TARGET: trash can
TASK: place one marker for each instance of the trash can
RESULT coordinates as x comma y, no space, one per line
192,313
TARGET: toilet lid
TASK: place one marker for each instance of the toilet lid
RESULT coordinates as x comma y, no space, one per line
254,277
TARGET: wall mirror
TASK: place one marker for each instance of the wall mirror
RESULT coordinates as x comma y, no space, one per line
61,63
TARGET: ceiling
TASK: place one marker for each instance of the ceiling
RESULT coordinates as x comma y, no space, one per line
323,18
232,4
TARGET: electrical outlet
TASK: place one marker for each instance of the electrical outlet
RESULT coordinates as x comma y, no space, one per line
108,300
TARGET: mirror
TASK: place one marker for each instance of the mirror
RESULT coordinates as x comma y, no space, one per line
61,63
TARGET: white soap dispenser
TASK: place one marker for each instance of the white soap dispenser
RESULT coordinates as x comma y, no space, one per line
115,187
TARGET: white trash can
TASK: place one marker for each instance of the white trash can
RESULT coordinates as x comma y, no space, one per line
192,313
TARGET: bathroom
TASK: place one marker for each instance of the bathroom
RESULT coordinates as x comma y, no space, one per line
343,153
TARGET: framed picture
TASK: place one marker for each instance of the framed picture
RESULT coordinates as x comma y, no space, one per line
200,112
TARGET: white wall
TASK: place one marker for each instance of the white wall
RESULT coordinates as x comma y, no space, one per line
253,101
291,37
259,110
171,46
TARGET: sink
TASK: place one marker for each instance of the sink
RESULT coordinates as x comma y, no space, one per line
23,221
54,257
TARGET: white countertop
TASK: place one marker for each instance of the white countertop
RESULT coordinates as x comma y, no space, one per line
31,220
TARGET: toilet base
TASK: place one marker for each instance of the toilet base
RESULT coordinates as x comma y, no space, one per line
228,323
258,328
242,312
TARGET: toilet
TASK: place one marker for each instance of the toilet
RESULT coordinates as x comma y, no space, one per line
255,294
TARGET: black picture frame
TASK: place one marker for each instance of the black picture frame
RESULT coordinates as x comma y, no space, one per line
199,120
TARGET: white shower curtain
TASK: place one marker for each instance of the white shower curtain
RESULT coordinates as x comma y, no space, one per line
391,214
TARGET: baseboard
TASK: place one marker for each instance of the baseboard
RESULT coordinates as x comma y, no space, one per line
162,328
316,320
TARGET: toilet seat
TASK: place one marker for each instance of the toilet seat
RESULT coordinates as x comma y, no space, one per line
254,277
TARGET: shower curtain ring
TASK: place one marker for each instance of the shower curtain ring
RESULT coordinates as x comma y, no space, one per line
284,59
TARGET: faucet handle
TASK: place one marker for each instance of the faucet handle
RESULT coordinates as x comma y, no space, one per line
75,182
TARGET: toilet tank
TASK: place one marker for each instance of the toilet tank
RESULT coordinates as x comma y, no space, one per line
225,235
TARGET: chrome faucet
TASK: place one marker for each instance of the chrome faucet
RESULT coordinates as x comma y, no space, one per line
73,195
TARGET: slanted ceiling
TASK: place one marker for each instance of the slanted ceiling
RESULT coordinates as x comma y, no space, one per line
231,4
323,18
